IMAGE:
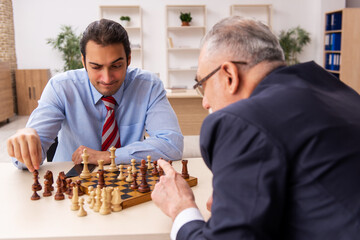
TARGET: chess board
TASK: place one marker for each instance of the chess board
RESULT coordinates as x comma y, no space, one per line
129,196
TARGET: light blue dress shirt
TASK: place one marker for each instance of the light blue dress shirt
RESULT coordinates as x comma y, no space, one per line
71,108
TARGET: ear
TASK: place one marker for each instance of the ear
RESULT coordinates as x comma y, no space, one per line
129,60
83,61
233,79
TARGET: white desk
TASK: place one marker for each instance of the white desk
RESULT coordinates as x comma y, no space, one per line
22,218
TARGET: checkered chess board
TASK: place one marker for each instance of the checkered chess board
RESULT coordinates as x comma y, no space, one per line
129,196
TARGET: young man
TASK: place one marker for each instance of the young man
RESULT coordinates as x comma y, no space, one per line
282,144
107,103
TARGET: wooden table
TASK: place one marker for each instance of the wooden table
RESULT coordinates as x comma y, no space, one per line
21,218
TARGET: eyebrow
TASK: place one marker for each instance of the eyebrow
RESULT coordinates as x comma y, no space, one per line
120,58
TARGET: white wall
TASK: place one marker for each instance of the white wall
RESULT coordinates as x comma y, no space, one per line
37,20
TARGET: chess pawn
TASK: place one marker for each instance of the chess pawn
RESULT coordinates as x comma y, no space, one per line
134,185
93,200
129,177
116,200
155,170
59,194
98,199
101,164
108,191
133,168
47,188
82,212
69,190
105,208
121,176
36,184
35,196
64,186
149,166
90,189
101,180
80,191
75,199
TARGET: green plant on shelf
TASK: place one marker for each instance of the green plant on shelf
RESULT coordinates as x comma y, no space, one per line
68,43
185,18
125,18
292,42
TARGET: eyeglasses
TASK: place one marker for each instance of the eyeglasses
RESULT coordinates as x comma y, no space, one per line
199,87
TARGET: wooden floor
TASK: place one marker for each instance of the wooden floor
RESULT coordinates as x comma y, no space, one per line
8,129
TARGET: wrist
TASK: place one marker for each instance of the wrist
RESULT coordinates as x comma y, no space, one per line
180,209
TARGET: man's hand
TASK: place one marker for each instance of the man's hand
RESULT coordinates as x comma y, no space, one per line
25,146
94,155
172,193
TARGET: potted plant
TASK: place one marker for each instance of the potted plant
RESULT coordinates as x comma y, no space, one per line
185,18
68,43
125,20
292,42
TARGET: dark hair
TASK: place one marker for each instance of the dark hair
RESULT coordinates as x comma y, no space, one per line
105,32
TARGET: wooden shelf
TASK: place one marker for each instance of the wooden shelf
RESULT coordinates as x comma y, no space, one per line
186,28
187,36
134,29
261,12
183,49
349,53
182,69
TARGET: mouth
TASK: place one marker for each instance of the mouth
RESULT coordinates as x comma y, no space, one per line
107,84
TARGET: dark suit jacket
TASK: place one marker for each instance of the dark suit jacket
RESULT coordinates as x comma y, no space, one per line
286,161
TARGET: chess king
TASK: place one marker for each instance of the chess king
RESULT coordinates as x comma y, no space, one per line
107,103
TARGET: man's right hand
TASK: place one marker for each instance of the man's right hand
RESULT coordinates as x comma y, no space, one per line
25,146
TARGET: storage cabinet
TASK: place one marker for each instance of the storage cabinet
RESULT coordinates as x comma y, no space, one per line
133,28
29,85
6,94
189,111
341,45
183,44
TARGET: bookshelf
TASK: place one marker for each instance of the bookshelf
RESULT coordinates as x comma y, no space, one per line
133,28
183,44
261,12
341,45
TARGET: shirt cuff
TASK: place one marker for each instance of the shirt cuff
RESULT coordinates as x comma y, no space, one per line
185,216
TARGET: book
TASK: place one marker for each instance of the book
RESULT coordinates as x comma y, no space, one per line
170,43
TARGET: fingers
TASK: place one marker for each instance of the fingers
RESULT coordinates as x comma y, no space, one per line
165,166
10,148
76,157
34,147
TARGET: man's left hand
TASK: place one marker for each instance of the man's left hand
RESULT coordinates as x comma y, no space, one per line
94,155
172,193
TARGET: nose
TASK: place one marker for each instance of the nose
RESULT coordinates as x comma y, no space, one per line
205,103
106,76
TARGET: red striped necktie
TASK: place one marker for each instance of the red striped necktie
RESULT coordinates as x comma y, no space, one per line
110,133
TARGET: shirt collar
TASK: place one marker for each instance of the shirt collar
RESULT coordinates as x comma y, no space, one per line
97,96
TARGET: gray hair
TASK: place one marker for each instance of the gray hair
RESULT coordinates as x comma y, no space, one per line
244,40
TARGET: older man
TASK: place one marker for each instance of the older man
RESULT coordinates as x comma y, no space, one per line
282,144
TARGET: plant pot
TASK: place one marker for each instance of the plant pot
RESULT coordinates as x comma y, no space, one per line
185,24
124,23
